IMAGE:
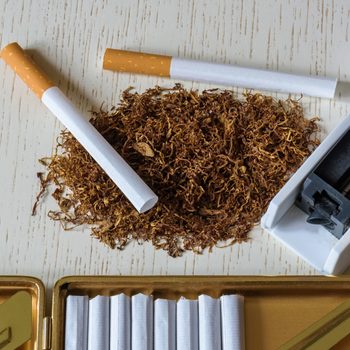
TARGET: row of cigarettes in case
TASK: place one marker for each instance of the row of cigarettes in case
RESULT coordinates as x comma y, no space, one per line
139,322
133,187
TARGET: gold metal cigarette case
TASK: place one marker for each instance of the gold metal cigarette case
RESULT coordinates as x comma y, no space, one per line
277,309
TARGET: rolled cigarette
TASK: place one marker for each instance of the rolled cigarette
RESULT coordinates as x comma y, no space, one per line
98,324
232,322
137,192
225,74
76,330
187,328
142,322
120,328
209,323
164,324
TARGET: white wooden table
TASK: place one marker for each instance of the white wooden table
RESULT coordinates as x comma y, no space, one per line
69,37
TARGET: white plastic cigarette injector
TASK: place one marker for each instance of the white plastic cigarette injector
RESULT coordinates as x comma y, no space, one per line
133,187
224,74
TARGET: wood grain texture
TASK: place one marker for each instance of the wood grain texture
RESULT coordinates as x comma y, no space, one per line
68,39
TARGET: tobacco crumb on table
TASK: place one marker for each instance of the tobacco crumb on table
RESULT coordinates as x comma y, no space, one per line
214,160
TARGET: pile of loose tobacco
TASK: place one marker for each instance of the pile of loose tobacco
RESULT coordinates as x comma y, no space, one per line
214,161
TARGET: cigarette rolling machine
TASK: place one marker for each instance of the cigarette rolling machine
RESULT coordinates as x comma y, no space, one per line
311,213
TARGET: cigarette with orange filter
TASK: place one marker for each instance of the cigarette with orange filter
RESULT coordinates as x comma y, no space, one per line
133,187
224,74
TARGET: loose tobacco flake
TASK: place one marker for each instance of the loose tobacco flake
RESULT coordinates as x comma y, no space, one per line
215,162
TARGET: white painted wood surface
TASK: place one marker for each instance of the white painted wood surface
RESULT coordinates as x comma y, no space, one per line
69,37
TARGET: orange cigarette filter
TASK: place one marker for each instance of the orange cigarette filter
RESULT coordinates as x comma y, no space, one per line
26,68
137,62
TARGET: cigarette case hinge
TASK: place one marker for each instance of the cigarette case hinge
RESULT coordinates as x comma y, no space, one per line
47,328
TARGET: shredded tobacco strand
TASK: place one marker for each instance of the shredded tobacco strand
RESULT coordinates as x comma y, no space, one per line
214,160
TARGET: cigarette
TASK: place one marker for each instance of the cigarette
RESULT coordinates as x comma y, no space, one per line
223,74
232,322
133,187
99,323
187,328
120,327
141,322
165,324
77,318
209,323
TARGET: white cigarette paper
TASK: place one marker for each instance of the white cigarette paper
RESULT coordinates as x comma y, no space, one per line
232,316
120,330
138,193
187,324
76,327
99,314
164,324
260,79
141,322
209,323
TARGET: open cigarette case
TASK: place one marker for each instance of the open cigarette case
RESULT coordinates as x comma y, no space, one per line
276,308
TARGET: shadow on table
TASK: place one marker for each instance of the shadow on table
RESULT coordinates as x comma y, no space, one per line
343,91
